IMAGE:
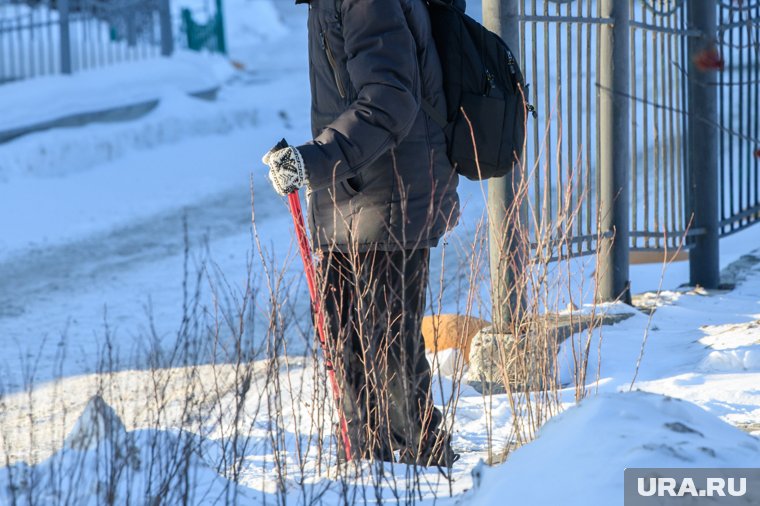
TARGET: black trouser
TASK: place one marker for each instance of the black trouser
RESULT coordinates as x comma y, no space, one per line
374,303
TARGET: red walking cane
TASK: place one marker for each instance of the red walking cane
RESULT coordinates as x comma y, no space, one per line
319,318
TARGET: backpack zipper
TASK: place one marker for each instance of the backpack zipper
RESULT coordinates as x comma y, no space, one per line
490,83
333,65
511,63
530,108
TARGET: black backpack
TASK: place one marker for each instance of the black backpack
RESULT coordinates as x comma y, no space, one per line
485,93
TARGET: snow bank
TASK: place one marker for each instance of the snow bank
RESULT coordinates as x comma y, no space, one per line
128,441
102,463
34,101
736,348
72,150
579,456
738,360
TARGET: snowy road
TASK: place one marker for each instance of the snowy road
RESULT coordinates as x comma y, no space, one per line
67,268
93,217
115,246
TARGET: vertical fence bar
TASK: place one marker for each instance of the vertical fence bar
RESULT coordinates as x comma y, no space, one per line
50,46
661,223
131,20
20,41
167,37
579,127
723,117
732,209
657,151
85,41
3,75
614,72
740,159
684,148
548,113
591,192
756,87
538,199
503,18
65,49
559,219
634,132
704,259
32,41
647,194
222,38
11,51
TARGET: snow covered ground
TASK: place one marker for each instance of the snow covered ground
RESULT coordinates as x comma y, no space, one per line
104,228
34,101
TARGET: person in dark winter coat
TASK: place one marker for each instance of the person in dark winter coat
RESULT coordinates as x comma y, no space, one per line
381,193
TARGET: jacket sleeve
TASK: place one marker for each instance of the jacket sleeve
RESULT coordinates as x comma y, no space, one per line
383,68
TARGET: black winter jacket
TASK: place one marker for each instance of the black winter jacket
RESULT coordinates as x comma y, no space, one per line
377,167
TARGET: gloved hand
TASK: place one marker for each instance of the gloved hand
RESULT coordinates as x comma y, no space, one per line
286,169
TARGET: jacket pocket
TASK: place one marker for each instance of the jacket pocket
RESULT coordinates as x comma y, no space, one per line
353,185
338,194
325,42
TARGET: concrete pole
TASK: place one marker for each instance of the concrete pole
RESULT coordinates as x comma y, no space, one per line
506,262
614,144
702,180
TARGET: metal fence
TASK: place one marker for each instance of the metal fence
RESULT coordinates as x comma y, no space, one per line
658,89
41,37
649,111
738,41
204,35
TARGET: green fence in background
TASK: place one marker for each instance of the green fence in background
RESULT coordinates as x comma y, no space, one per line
207,36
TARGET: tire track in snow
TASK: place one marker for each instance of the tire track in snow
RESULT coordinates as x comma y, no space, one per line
35,273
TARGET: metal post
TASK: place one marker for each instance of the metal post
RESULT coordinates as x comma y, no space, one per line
505,244
130,15
702,175
614,150
167,36
221,44
63,20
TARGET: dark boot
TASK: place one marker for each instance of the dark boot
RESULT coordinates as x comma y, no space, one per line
435,451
